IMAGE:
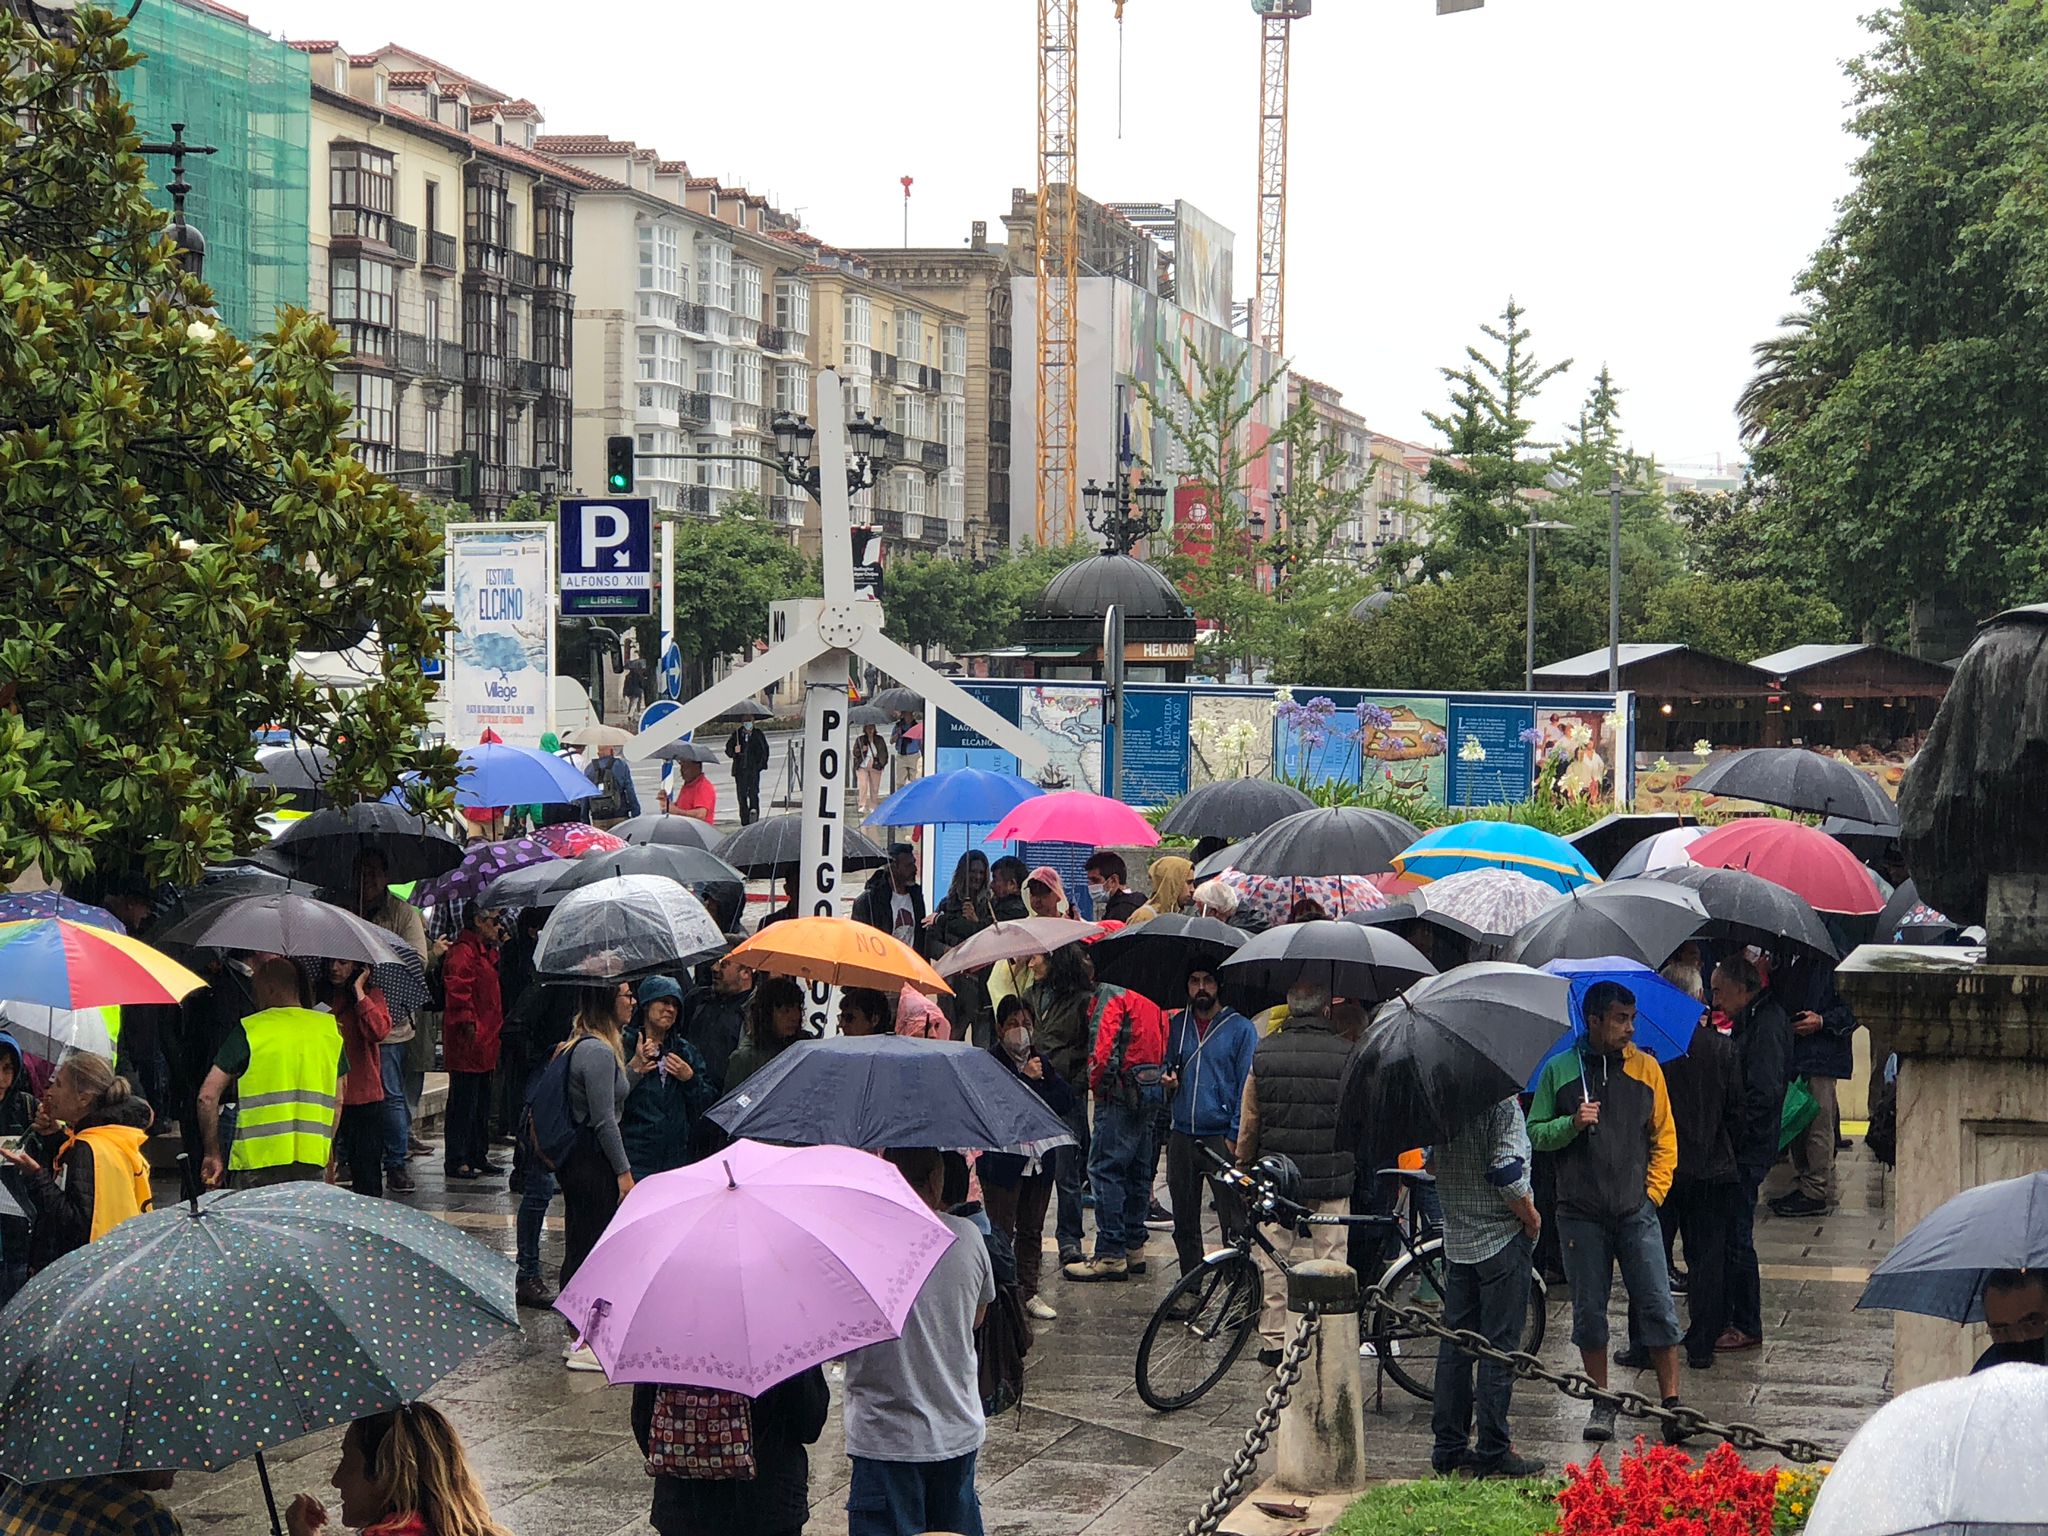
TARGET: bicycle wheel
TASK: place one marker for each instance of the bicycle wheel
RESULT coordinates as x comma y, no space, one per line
1408,1353
1537,1320
1198,1331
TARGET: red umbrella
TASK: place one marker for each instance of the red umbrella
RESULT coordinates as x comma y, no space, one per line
1803,860
573,839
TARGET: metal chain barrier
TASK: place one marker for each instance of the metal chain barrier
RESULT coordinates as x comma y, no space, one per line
1228,1491
1576,1384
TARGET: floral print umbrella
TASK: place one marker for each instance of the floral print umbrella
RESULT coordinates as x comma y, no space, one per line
481,864
1272,897
573,839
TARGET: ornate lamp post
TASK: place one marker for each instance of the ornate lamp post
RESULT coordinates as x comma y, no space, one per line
868,459
1123,513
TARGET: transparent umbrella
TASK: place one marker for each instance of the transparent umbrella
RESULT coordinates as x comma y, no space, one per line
630,925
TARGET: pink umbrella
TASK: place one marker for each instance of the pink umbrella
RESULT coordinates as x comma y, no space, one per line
1074,816
753,1265
573,839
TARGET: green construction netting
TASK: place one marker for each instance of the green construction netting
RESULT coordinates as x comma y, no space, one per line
250,95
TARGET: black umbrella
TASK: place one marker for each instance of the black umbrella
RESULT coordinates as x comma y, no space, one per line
1642,920
680,831
1938,1268
1447,1051
1750,908
899,701
672,861
1366,965
1233,808
224,883
533,886
1866,839
1339,840
293,765
688,752
1153,959
1223,858
1906,919
326,847
1795,779
287,923
772,846
867,714
748,709
1603,843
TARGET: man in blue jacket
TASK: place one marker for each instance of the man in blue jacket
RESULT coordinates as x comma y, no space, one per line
1823,1052
1208,1056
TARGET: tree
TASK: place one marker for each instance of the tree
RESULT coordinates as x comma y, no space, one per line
728,570
932,600
1898,418
1742,618
181,515
1582,474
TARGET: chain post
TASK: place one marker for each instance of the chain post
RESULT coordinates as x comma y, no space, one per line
1230,1489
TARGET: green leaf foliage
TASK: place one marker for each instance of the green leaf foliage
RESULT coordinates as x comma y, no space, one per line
181,515
728,570
934,601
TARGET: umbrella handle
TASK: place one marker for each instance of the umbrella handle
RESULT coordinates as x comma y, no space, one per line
269,1498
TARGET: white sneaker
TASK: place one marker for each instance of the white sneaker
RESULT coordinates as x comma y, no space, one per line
1037,1307
581,1359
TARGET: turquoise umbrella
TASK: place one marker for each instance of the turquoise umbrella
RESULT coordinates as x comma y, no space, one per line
1497,845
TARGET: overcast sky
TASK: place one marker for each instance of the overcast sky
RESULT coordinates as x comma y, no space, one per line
1646,177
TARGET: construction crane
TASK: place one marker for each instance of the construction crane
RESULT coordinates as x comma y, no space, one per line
1057,237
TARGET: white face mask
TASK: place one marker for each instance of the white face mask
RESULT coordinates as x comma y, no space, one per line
1097,892
1018,1043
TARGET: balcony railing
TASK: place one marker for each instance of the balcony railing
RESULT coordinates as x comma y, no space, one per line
882,365
521,270
927,378
522,374
696,498
787,510
405,240
933,456
448,359
691,317
526,478
440,251
484,368
771,338
696,405
415,353
999,359
409,458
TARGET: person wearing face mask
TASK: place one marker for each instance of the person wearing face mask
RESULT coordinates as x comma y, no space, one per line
1109,888
1017,1190
1208,1056
671,1086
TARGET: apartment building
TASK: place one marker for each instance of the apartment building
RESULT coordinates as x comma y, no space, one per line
442,249
1399,492
1345,431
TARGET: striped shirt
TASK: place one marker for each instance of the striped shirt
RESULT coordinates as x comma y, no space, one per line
1478,1172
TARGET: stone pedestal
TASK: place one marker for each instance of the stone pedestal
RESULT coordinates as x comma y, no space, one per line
1321,1441
1972,1039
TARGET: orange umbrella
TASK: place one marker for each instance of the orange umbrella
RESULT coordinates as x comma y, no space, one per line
841,952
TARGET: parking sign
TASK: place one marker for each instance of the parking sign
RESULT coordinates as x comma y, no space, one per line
607,549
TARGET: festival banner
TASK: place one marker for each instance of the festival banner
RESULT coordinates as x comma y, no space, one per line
500,667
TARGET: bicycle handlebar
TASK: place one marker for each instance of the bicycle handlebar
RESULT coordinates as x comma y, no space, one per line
1267,1203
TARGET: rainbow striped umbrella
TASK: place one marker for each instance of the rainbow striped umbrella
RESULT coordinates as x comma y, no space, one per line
62,964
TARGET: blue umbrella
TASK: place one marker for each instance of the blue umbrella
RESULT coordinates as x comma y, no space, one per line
1938,1268
23,906
970,795
1666,1016
495,774
1496,844
890,1091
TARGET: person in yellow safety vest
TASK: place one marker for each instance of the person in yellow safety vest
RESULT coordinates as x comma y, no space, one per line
82,1168
290,1067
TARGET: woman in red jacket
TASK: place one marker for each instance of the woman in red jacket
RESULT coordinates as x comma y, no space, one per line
471,1025
358,1007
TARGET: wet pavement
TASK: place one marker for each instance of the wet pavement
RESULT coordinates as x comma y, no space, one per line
557,1458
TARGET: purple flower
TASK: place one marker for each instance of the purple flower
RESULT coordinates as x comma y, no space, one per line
1531,737
1372,716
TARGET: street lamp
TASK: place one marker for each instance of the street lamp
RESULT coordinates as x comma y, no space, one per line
185,236
1532,528
1123,513
61,12
869,441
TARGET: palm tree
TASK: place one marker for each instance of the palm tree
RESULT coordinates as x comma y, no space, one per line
1789,382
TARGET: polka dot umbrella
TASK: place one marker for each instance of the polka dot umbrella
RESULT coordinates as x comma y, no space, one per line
192,1338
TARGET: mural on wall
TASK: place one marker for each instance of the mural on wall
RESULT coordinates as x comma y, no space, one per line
1230,736
1584,746
1393,743
1067,717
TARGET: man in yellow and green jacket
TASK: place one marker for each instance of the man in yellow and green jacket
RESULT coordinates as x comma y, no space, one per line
1602,1108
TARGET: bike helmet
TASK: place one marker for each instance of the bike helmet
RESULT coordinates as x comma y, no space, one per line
1279,1175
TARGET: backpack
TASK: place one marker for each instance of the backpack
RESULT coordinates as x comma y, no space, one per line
546,1124
1001,1343
608,805
1882,1135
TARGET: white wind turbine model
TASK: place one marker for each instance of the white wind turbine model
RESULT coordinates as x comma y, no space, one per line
829,632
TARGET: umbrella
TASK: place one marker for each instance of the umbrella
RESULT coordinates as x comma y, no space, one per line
1013,940
748,709
1154,958
62,964
899,701
21,906
629,925
573,839
1791,854
1487,906
1937,1269
1795,779
1613,835
1906,919
841,953
481,864
969,795
888,1091
1655,854
1645,920
1748,907
1074,816
1497,844
1218,861
1666,1015
788,1257
532,885
1866,839
1273,897
1339,840
773,845
285,923
197,1336
325,848
1233,808
678,831
1965,1457
1447,1051
496,774
293,766
688,752
51,1032
668,861
866,714
1367,965
597,736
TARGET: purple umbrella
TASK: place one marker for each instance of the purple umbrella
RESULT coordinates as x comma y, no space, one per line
789,1256
23,906
481,864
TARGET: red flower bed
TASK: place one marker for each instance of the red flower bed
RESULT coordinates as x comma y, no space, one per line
1662,1492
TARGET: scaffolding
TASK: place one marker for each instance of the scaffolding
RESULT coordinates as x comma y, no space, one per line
251,96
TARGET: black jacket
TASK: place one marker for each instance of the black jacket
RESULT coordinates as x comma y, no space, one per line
1763,1052
1705,1087
876,905
1118,908
61,1198
17,1114
749,756
1806,983
713,1022
1002,1170
787,1417
1011,908
1297,1074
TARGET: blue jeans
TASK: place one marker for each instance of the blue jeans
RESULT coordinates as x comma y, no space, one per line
908,1498
1120,1171
1591,1249
1491,1297
1744,1299
534,1201
397,1114
1069,1170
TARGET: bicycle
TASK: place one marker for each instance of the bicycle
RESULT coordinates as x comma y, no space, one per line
1203,1324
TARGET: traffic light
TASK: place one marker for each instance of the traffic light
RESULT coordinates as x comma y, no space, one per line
618,465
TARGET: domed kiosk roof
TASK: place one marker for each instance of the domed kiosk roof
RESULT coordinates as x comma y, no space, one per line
1087,588
1372,603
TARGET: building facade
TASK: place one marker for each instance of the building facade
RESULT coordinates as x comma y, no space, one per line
1399,494
442,249
1347,449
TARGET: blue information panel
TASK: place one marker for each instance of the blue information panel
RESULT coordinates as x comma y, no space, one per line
1155,741
1486,761
959,747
